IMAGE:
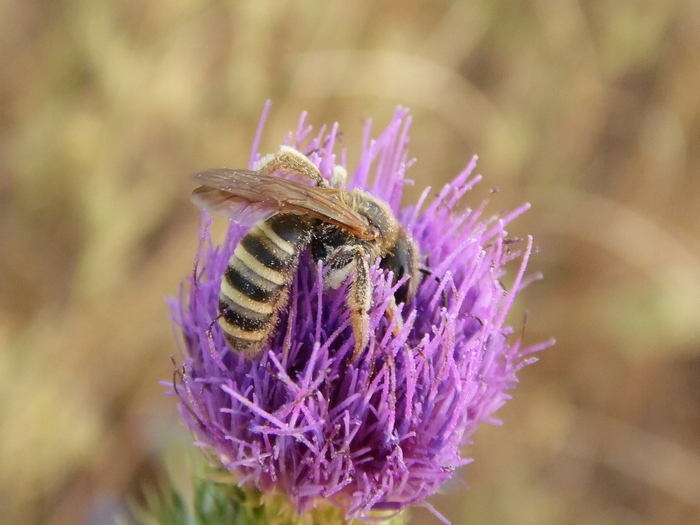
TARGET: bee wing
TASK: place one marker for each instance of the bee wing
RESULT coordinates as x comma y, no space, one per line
217,196
248,196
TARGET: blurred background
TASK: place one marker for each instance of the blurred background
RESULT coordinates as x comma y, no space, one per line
589,110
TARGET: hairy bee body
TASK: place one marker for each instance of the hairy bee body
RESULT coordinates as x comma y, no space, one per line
255,285
346,230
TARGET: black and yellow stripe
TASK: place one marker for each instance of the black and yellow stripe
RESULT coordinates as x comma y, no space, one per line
254,286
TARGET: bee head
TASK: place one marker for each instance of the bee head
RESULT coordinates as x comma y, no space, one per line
403,260
391,242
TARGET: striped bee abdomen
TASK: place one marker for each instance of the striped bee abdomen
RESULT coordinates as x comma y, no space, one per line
255,285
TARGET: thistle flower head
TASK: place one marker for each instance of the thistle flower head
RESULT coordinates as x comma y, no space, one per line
381,433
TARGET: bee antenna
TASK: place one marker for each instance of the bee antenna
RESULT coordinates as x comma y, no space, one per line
427,271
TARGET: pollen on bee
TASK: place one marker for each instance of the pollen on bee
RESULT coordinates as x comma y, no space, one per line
339,177
263,161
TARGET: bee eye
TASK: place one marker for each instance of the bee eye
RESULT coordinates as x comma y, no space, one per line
400,261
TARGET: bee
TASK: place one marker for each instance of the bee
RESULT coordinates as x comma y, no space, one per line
291,207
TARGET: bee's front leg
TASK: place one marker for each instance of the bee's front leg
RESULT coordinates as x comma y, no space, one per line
391,315
359,301
344,261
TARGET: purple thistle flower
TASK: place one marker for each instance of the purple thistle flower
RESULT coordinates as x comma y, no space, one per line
384,432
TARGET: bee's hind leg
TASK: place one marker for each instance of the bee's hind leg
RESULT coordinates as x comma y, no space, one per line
290,160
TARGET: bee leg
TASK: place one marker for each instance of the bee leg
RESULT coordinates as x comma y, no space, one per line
359,301
343,261
291,160
427,271
391,314
340,177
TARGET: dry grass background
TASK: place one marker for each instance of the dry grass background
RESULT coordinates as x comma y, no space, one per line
590,110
